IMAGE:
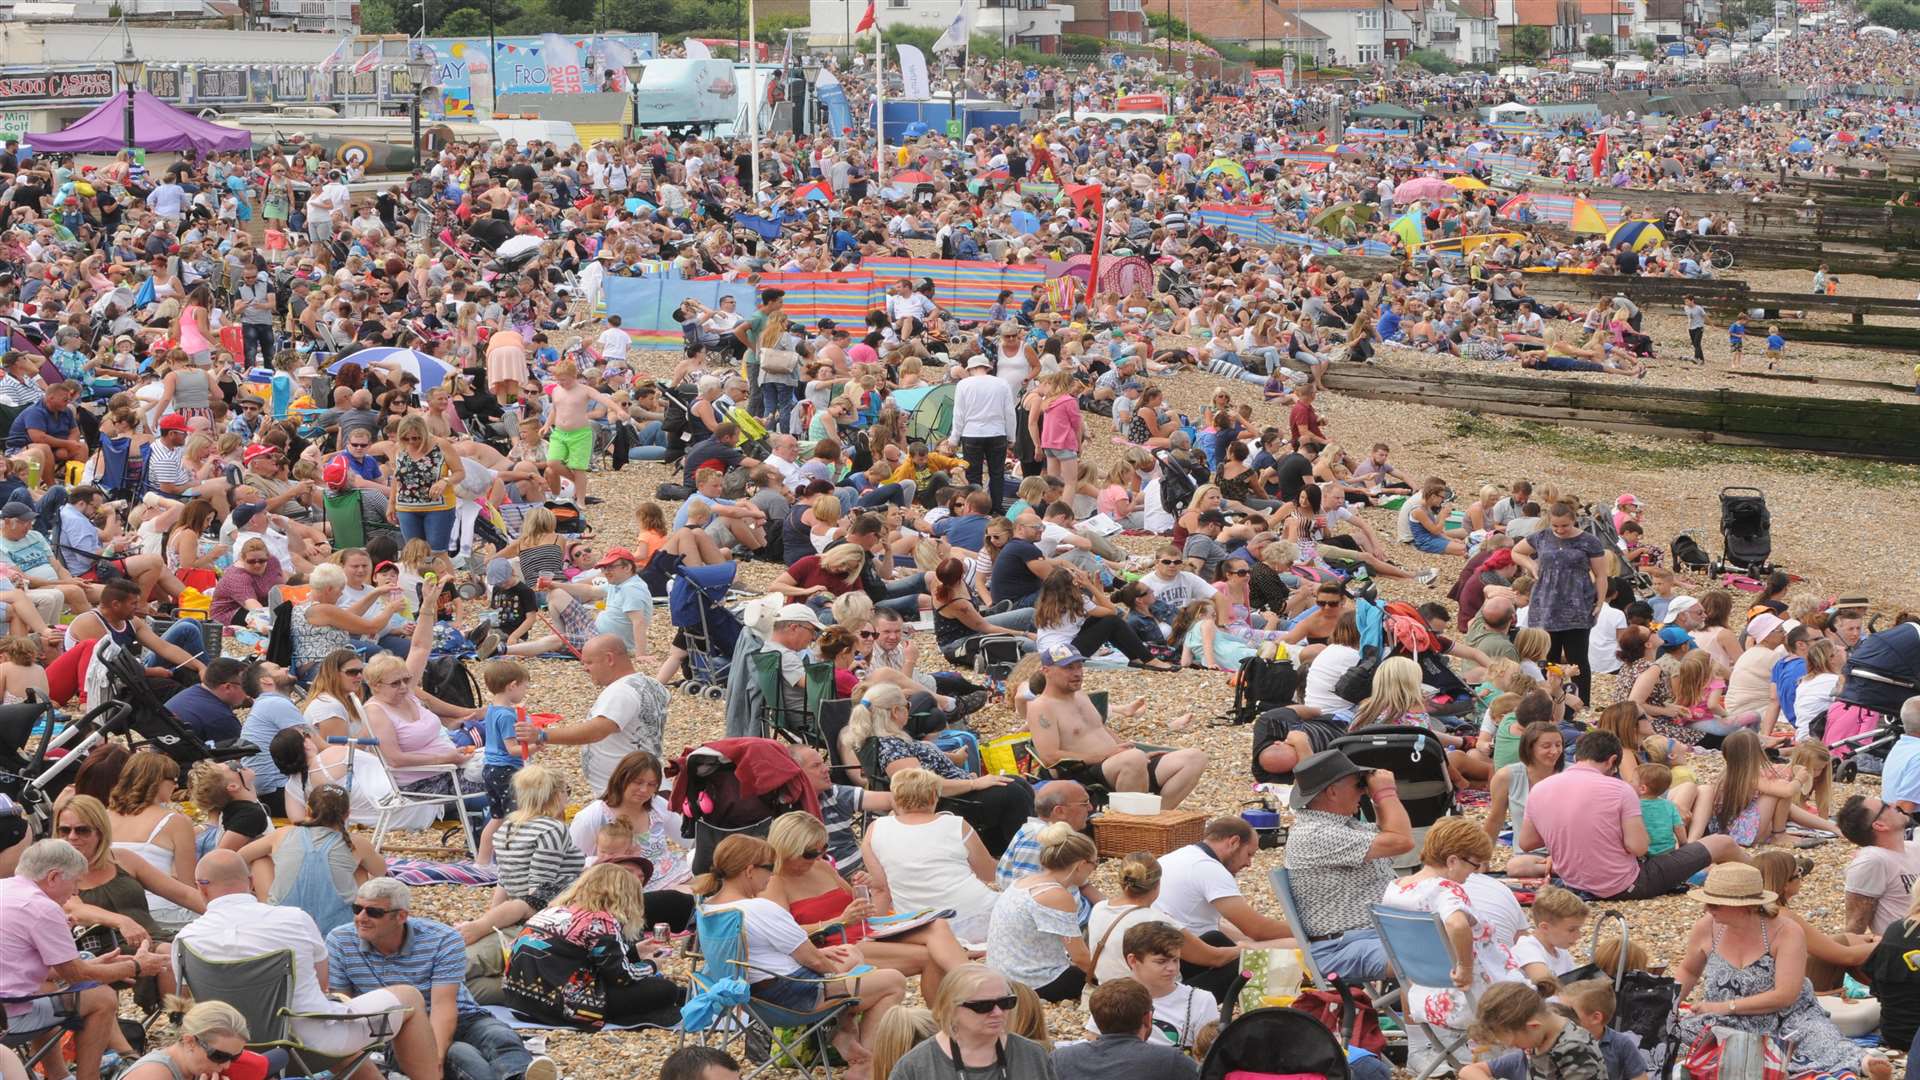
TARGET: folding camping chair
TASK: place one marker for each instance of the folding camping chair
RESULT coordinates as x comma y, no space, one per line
344,515
800,1040
1420,954
797,725
397,800
1282,881
261,988
34,1047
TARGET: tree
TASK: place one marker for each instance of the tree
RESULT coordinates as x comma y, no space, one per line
1894,15
1599,46
1432,60
464,22
1531,42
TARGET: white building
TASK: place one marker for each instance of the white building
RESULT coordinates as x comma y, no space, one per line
1356,29
1035,24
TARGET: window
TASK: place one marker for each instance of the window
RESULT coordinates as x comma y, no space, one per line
1123,5
1368,54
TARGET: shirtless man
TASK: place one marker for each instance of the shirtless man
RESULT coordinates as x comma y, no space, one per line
1066,725
497,199
569,432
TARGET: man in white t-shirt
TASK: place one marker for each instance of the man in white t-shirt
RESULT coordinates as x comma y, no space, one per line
630,713
1172,585
1880,878
1198,894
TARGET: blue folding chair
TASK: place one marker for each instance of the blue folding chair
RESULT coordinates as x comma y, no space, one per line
806,1042
1383,995
1420,954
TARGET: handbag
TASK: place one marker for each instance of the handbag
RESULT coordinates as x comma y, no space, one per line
1724,1053
1327,1006
1357,684
779,361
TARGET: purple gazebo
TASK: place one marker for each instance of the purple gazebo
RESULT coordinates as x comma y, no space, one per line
157,126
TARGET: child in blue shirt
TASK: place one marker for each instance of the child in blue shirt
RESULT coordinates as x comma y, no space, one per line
1662,818
1736,341
1776,347
506,682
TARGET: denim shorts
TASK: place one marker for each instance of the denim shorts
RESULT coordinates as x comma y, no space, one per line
1431,543
789,993
1062,455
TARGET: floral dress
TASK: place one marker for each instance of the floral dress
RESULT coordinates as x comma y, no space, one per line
1450,1006
1818,1047
1662,695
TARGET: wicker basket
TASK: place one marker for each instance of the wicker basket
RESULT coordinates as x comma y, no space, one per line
1122,834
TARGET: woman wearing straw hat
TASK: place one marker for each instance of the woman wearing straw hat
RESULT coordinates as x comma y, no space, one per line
1751,965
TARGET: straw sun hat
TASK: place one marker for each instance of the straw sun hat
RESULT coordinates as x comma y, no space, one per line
1734,885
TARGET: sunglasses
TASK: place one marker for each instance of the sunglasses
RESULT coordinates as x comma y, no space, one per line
220,1057
868,635
1169,562
768,867
353,672
370,911
1239,573
984,1006
73,830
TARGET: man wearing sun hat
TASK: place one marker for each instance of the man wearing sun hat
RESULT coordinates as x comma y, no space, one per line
1340,863
983,421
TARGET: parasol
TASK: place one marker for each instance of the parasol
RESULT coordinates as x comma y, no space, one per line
429,370
1638,234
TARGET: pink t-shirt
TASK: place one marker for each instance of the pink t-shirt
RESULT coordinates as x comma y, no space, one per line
1581,816
862,353
34,937
1112,498
1060,424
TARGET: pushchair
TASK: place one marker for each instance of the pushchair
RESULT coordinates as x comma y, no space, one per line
1275,1042
712,796
1418,761
1746,532
678,401
35,778
696,603
1881,673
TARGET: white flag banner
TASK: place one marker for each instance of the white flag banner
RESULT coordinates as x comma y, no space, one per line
339,54
562,61
697,50
615,57
915,83
955,35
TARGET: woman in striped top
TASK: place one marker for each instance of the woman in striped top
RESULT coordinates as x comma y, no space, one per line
538,547
535,854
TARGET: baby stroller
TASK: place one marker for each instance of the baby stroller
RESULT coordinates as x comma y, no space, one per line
711,793
1418,761
133,711
696,602
679,408
1272,1043
1746,532
1881,673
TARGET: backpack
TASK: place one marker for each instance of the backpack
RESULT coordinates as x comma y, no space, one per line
1176,486
1260,685
447,678
567,519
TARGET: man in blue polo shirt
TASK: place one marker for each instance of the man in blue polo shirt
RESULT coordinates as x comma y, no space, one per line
384,946
45,431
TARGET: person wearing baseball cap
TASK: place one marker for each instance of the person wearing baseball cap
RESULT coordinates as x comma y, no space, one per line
1072,742
266,467
166,471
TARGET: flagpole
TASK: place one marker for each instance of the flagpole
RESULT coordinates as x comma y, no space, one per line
879,97
753,110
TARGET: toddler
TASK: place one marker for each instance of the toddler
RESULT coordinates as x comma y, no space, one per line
1665,828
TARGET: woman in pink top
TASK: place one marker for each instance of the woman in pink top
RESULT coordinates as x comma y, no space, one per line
506,364
1060,429
195,331
413,738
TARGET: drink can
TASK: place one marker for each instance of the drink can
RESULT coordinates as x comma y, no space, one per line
660,933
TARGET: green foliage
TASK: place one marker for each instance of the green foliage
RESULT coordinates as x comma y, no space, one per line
1599,46
1894,15
463,22
1646,48
1082,44
1531,42
1433,60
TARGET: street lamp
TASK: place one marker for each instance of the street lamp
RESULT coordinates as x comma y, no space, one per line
419,69
954,72
633,72
129,68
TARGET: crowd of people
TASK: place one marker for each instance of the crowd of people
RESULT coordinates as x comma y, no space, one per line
296,538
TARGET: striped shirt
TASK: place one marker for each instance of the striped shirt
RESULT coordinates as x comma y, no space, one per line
536,859
431,955
165,465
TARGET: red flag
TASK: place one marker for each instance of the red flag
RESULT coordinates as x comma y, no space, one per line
866,21
1600,156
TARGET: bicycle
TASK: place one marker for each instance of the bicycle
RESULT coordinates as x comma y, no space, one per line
1706,255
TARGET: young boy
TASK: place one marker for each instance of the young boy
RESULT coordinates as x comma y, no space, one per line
1152,951
570,432
506,683
1558,918
1551,1046
1661,816
1776,347
1590,1004
1736,341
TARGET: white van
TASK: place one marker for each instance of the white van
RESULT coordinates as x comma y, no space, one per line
558,132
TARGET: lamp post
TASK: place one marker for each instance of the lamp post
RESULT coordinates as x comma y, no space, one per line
633,72
419,69
954,72
129,68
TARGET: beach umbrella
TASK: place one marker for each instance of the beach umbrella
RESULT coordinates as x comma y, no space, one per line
1799,146
1424,187
1411,230
1341,219
1025,223
1586,218
912,176
816,191
1640,234
1847,137
1229,167
1464,182
431,371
